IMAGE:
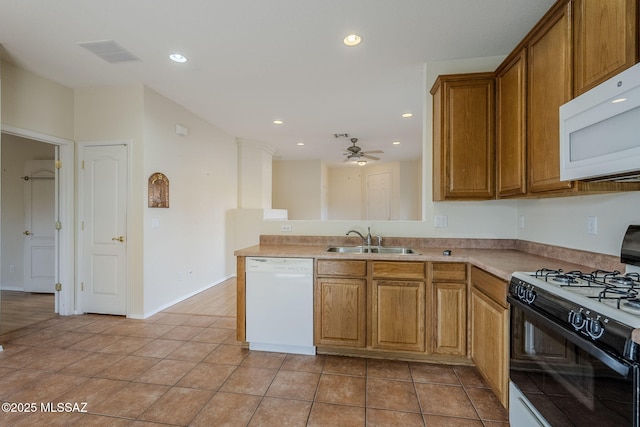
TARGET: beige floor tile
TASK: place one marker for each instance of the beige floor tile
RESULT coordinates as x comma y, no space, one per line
18,380
128,368
385,418
440,421
49,419
48,389
341,389
95,343
390,369
226,323
249,381
227,409
152,330
192,351
201,321
294,385
177,406
345,365
470,377
432,373
124,328
264,359
487,404
67,339
438,399
275,412
326,414
306,363
392,394
166,371
126,345
227,355
93,391
206,376
183,333
92,364
130,401
159,348
214,335
170,318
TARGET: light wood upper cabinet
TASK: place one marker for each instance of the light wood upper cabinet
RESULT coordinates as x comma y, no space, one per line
511,133
464,137
605,35
549,86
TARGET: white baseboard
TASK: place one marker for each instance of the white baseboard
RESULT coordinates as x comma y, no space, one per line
11,288
182,298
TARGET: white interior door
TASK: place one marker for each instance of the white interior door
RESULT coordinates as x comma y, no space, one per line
39,226
103,205
379,196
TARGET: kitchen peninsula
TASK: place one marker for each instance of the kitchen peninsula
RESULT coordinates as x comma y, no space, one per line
425,305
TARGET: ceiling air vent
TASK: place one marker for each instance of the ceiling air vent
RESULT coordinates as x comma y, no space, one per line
110,51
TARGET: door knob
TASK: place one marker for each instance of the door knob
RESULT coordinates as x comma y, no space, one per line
119,239
27,233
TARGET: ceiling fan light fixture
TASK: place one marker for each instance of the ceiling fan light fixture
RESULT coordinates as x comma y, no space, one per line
352,40
176,57
361,162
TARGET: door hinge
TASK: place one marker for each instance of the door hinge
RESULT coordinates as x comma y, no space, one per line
82,225
82,164
58,225
81,286
58,287
58,164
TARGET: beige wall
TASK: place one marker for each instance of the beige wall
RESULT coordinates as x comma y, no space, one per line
297,187
191,249
15,152
34,103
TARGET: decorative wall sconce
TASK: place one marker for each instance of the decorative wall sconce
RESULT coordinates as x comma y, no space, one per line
158,190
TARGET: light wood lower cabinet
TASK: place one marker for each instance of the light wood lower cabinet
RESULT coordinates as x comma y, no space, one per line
340,313
398,312
449,316
490,331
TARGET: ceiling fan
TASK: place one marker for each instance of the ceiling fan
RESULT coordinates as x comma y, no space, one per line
355,153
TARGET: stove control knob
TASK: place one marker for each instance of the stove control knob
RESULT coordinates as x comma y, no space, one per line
595,329
530,296
577,320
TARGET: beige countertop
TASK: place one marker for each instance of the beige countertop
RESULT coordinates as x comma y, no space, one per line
499,262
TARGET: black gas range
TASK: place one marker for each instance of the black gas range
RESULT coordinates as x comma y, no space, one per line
573,358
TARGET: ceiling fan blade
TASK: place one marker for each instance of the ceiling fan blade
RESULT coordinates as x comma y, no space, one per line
370,157
373,152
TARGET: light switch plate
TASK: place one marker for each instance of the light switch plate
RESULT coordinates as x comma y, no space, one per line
440,221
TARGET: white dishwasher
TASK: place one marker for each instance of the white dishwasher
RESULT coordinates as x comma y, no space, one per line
279,304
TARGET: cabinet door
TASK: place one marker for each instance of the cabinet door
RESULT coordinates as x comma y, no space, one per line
398,315
549,86
511,133
340,312
489,342
464,137
450,318
605,40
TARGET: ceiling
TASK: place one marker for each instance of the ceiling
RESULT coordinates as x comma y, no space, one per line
254,61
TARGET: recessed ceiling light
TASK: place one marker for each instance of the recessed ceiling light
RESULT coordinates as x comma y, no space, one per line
176,57
618,100
396,142
278,122
352,40
300,143
407,115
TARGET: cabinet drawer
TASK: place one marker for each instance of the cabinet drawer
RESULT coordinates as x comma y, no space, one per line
327,267
448,272
490,285
399,269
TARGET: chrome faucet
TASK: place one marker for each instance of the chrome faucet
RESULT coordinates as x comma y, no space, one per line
366,240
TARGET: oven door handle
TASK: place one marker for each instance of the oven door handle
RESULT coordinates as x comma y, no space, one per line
611,361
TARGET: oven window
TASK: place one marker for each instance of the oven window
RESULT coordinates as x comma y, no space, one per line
567,385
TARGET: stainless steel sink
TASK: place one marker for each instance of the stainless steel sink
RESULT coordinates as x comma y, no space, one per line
370,250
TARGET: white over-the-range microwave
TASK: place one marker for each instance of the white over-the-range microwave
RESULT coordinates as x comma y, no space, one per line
600,131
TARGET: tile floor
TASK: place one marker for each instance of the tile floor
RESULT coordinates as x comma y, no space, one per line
183,369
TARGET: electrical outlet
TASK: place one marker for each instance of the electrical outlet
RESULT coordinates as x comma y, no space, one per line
521,221
440,221
592,225
12,268
285,227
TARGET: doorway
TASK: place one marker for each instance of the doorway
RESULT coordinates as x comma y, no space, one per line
16,146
